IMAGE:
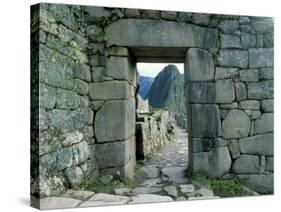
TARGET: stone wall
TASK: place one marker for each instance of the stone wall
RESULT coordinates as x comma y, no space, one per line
181,120
152,132
85,76
63,136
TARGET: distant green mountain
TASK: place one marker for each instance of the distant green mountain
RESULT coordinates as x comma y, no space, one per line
167,90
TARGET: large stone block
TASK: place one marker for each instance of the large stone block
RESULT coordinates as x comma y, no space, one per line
47,96
225,73
225,92
200,65
260,58
67,99
111,90
115,121
115,153
74,176
82,71
248,40
259,144
249,105
263,25
233,58
264,124
249,75
205,121
202,92
215,163
266,73
267,105
229,26
246,164
269,166
262,183
172,34
260,90
207,144
230,41
237,124
240,91
121,68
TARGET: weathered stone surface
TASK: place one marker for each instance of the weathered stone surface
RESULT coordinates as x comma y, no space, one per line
82,71
233,148
81,87
206,144
266,73
95,33
102,199
200,65
223,113
233,58
152,182
98,74
201,19
230,41
268,40
229,26
260,90
225,92
201,113
249,75
96,105
262,26
112,126
110,90
267,105
149,198
269,164
225,73
233,105
98,60
246,164
81,152
236,125
175,174
203,192
171,191
188,188
151,14
202,92
120,68
240,91
96,14
72,138
249,105
132,13
259,144
169,15
47,96
67,99
264,124
201,37
58,203
262,183
255,114
244,20
115,154
117,51
260,58
74,176
61,119
146,190
150,172
215,163
122,191
185,16
248,40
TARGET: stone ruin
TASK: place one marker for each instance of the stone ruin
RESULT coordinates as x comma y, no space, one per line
83,64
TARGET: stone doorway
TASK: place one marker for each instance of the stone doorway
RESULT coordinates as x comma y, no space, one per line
165,41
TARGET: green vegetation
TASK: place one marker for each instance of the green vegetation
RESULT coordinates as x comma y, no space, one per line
222,188
99,186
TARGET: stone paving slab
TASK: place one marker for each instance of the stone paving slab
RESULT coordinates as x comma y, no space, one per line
58,203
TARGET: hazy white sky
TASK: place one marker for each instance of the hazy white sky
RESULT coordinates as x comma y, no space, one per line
152,69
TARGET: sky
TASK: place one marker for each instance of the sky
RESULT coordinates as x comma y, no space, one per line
152,69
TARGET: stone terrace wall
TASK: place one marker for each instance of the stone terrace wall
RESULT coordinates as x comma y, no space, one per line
151,133
63,146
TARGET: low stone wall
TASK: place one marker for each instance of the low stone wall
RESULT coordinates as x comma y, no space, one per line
181,120
151,133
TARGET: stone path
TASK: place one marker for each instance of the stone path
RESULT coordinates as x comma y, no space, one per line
163,178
